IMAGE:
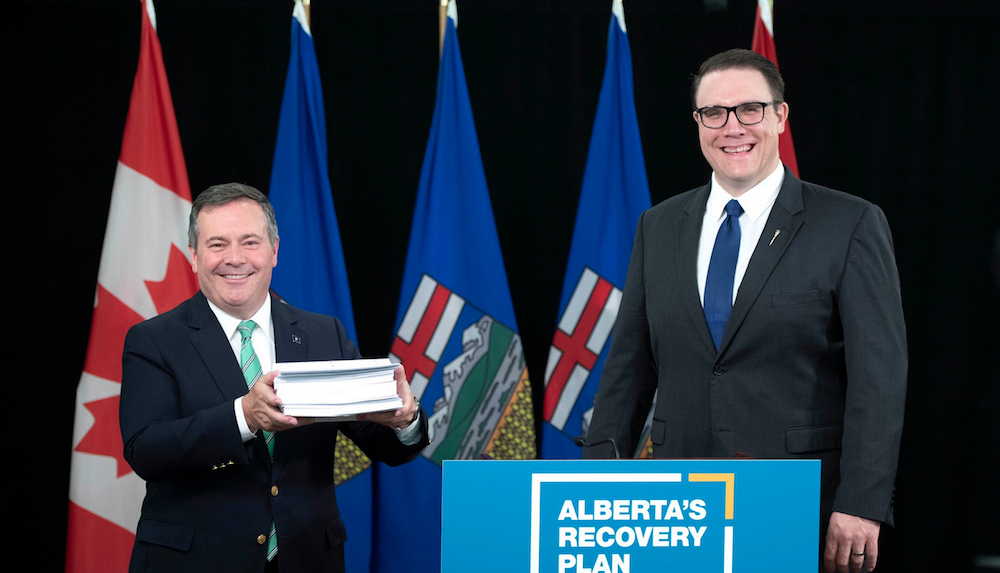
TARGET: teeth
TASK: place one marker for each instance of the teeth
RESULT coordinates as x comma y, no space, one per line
235,276
739,149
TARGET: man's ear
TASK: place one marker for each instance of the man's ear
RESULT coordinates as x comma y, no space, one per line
781,111
194,259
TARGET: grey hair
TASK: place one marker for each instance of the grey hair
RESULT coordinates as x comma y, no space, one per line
218,195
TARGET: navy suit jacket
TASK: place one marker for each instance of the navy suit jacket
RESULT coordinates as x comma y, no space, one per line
812,363
209,495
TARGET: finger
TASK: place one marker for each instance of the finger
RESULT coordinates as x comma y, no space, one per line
830,555
279,422
386,418
871,554
408,410
405,394
857,560
403,387
844,557
262,391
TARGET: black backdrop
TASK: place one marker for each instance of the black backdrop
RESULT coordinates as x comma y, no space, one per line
894,102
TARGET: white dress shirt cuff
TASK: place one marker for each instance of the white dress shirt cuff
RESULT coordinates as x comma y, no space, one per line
241,421
410,434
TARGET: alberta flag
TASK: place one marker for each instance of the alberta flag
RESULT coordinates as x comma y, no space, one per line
456,335
144,271
312,274
615,192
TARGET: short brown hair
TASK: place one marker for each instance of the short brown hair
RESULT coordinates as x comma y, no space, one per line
741,60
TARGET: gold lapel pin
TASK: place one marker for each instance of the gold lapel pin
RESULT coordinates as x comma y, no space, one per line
776,233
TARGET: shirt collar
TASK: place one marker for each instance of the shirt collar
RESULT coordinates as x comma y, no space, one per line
754,202
229,323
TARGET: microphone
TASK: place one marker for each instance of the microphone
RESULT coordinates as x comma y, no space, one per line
582,442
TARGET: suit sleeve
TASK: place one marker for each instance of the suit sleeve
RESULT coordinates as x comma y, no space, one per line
875,352
161,443
628,382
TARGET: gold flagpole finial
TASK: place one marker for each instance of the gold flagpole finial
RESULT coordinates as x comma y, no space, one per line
442,21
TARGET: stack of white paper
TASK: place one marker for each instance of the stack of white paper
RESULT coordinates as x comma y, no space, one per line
336,389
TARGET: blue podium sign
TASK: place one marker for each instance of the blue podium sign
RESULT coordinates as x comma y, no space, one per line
630,516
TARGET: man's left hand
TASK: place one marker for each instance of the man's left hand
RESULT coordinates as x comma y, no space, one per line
401,417
851,544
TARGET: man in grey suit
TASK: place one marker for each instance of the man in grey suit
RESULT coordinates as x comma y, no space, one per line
766,312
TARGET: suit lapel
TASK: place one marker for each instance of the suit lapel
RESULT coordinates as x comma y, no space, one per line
213,347
290,341
786,218
688,238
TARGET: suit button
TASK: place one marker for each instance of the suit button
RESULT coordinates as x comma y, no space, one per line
274,490
718,370
261,539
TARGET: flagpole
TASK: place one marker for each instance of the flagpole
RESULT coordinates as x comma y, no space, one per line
305,4
442,20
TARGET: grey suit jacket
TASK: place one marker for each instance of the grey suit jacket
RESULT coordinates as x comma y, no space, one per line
812,363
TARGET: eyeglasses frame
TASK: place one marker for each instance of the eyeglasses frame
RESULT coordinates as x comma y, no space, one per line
732,110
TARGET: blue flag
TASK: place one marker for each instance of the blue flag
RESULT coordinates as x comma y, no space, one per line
456,335
311,273
615,192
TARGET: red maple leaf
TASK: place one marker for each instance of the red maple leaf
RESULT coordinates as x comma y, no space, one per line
105,438
178,285
112,319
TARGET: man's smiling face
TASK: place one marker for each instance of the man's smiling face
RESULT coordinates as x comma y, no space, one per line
233,257
741,155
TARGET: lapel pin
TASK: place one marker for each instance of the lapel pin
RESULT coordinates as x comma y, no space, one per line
296,339
776,233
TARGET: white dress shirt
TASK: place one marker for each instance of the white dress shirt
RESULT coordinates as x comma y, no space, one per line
757,203
262,340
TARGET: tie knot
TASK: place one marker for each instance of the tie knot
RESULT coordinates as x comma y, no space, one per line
733,208
245,328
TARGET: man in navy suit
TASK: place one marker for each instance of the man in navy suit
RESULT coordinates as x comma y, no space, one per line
218,497
765,314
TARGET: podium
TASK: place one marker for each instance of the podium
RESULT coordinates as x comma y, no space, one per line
630,516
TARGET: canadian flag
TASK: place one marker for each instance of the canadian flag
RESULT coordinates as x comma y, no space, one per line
144,271
763,44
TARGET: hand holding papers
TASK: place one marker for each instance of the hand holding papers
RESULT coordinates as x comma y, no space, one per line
336,389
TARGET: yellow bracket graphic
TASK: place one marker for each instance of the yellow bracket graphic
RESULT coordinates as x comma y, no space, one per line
729,479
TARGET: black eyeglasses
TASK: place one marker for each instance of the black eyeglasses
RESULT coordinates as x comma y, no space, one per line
716,116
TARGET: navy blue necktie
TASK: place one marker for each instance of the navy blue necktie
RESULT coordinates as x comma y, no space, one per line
722,273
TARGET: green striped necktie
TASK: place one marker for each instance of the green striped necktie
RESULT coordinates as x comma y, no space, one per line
251,373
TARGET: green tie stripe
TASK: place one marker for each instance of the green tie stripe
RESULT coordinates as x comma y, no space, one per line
272,543
252,371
